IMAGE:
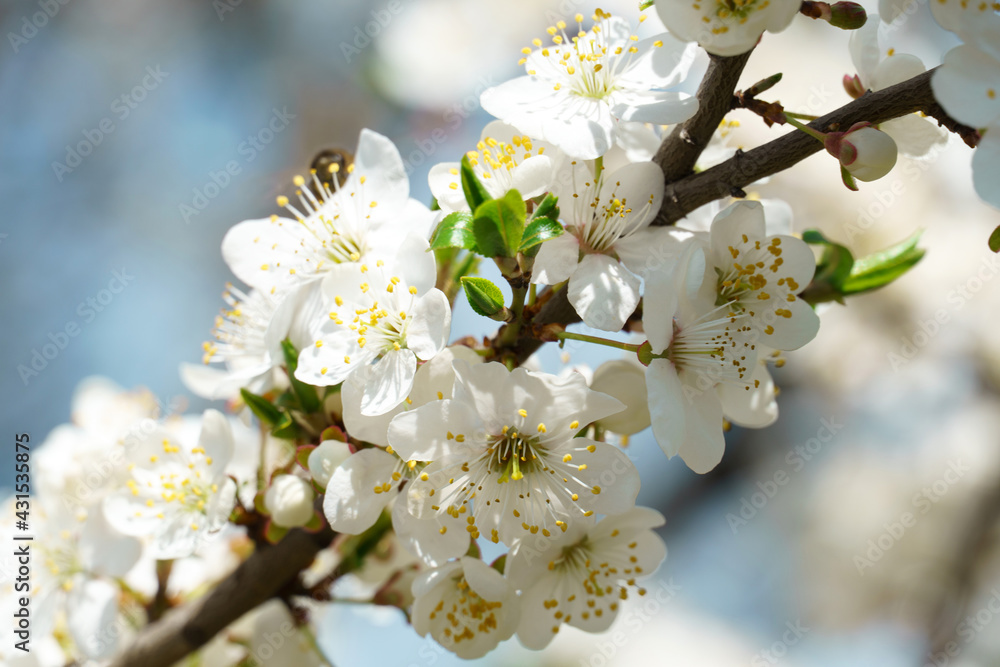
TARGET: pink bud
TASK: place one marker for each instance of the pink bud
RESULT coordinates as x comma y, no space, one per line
867,153
853,86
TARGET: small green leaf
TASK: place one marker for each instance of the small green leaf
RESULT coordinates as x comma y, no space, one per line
258,503
883,267
547,208
475,192
836,263
484,297
308,399
286,428
274,533
455,231
302,455
538,231
995,240
499,225
261,407
848,179
499,564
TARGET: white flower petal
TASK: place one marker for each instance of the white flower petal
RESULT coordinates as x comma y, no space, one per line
421,434
378,161
326,458
415,265
865,51
666,406
603,292
350,503
755,407
216,439
556,260
533,176
445,183
430,325
391,381
986,166
704,440
423,537
105,551
962,83
915,137
484,580
896,69
791,333
657,107
91,608
610,474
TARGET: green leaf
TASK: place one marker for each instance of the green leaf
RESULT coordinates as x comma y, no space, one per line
547,208
308,399
286,428
538,231
848,179
475,192
274,533
455,231
883,267
835,265
995,240
484,297
499,564
302,455
261,407
499,225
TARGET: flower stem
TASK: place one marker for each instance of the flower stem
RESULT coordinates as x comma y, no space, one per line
510,334
815,134
800,116
597,341
532,295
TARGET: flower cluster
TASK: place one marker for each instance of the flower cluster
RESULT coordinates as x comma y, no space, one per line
410,449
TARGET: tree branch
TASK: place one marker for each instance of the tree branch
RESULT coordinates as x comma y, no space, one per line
272,569
258,579
680,150
684,196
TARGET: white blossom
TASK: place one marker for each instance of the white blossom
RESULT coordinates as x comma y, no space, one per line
726,27
178,490
579,89
368,216
384,314
582,576
289,500
504,456
606,245
466,606
915,136
504,160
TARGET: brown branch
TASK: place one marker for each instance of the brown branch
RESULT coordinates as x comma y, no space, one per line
257,580
684,196
681,149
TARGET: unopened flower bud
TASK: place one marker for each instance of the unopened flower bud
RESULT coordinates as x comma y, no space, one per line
326,458
625,381
853,86
847,15
867,153
289,501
